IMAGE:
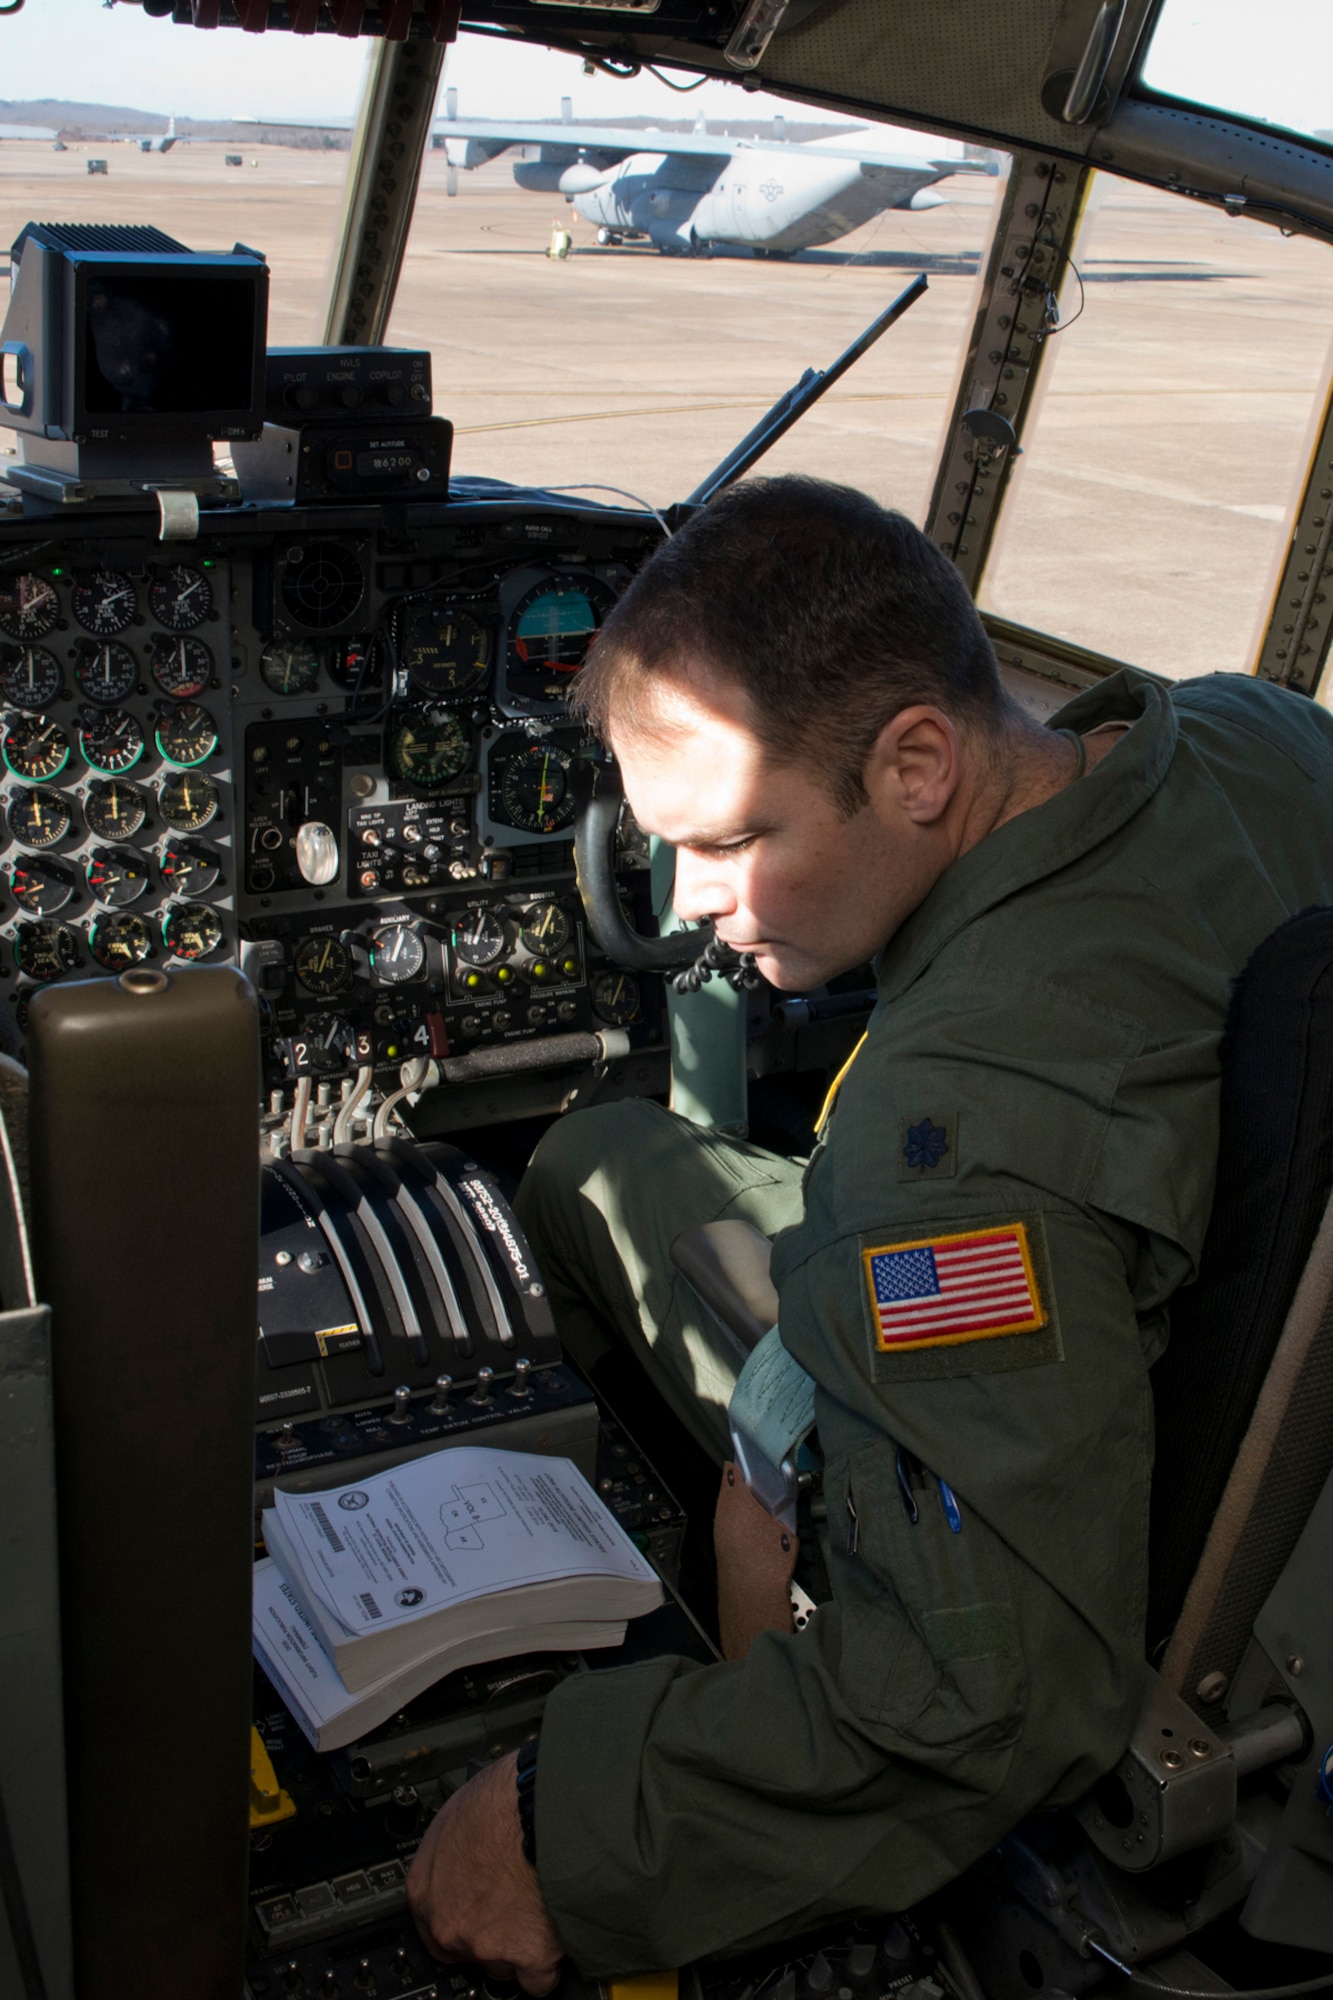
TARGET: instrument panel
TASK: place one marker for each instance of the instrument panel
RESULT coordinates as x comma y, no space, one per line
332,743
115,745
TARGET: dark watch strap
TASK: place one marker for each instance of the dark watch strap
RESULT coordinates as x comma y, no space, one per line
526,1779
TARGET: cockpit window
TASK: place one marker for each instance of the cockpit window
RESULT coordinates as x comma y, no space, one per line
632,333
1271,65
1147,511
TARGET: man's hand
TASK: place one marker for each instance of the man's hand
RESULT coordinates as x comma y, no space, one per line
755,1560
471,1892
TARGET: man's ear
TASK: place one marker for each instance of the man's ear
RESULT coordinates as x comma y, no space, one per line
914,766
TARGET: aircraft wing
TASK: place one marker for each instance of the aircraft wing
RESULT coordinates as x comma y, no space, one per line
610,142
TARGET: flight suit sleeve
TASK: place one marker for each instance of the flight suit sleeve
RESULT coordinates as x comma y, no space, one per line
960,1676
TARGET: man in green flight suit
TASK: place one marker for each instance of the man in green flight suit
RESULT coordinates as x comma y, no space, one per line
975,1266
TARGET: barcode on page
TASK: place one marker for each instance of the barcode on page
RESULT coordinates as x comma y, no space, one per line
368,1605
326,1528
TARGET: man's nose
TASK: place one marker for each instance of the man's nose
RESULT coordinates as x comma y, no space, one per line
701,889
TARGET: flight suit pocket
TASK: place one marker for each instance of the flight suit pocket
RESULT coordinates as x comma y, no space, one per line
931,1650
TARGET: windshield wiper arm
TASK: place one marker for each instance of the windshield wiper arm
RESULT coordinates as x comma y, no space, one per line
793,404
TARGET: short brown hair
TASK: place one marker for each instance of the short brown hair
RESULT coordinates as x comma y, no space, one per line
832,612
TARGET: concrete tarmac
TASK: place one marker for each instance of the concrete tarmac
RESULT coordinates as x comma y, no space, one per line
1146,515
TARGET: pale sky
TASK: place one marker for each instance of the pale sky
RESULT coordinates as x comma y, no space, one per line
1272,58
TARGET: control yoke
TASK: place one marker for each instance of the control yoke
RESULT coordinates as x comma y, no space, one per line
693,955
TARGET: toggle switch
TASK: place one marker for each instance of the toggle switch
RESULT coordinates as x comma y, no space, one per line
440,1402
402,1406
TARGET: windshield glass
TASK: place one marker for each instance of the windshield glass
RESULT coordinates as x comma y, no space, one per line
1272,63
697,274
1147,512
85,84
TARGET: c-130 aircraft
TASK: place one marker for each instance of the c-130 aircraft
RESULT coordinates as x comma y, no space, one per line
397,674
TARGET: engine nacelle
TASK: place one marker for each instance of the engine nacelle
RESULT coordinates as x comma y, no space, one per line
927,198
550,177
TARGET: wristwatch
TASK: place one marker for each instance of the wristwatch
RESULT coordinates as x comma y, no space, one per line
526,1779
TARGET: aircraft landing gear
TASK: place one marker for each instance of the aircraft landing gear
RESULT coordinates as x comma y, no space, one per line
609,237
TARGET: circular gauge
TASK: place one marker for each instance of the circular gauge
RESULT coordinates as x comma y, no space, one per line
292,668
397,954
445,651
119,941
41,886
117,876
328,1044
545,928
428,747
322,584
38,818
478,938
189,868
188,735
188,802
44,951
115,811
111,741
106,673
323,966
615,998
535,788
552,628
180,597
34,747
29,606
106,603
182,668
191,930
30,676
354,665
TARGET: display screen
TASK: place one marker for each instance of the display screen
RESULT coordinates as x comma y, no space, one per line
168,344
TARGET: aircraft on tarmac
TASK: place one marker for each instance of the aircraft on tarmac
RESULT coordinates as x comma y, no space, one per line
685,192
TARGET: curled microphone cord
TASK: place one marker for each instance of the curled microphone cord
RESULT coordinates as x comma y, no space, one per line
1146,1983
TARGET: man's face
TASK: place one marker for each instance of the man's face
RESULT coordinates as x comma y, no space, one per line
761,847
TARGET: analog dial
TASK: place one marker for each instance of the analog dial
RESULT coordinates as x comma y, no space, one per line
45,950
478,938
553,626
106,673
188,735
323,966
615,998
119,940
114,810
40,885
30,676
38,817
535,788
105,603
180,597
354,665
445,651
34,747
188,801
291,668
182,668
545,928
189,867
191,930
117,876
29,606
111,741
428,747
397,954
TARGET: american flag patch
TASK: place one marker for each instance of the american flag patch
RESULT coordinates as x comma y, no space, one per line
947,1289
